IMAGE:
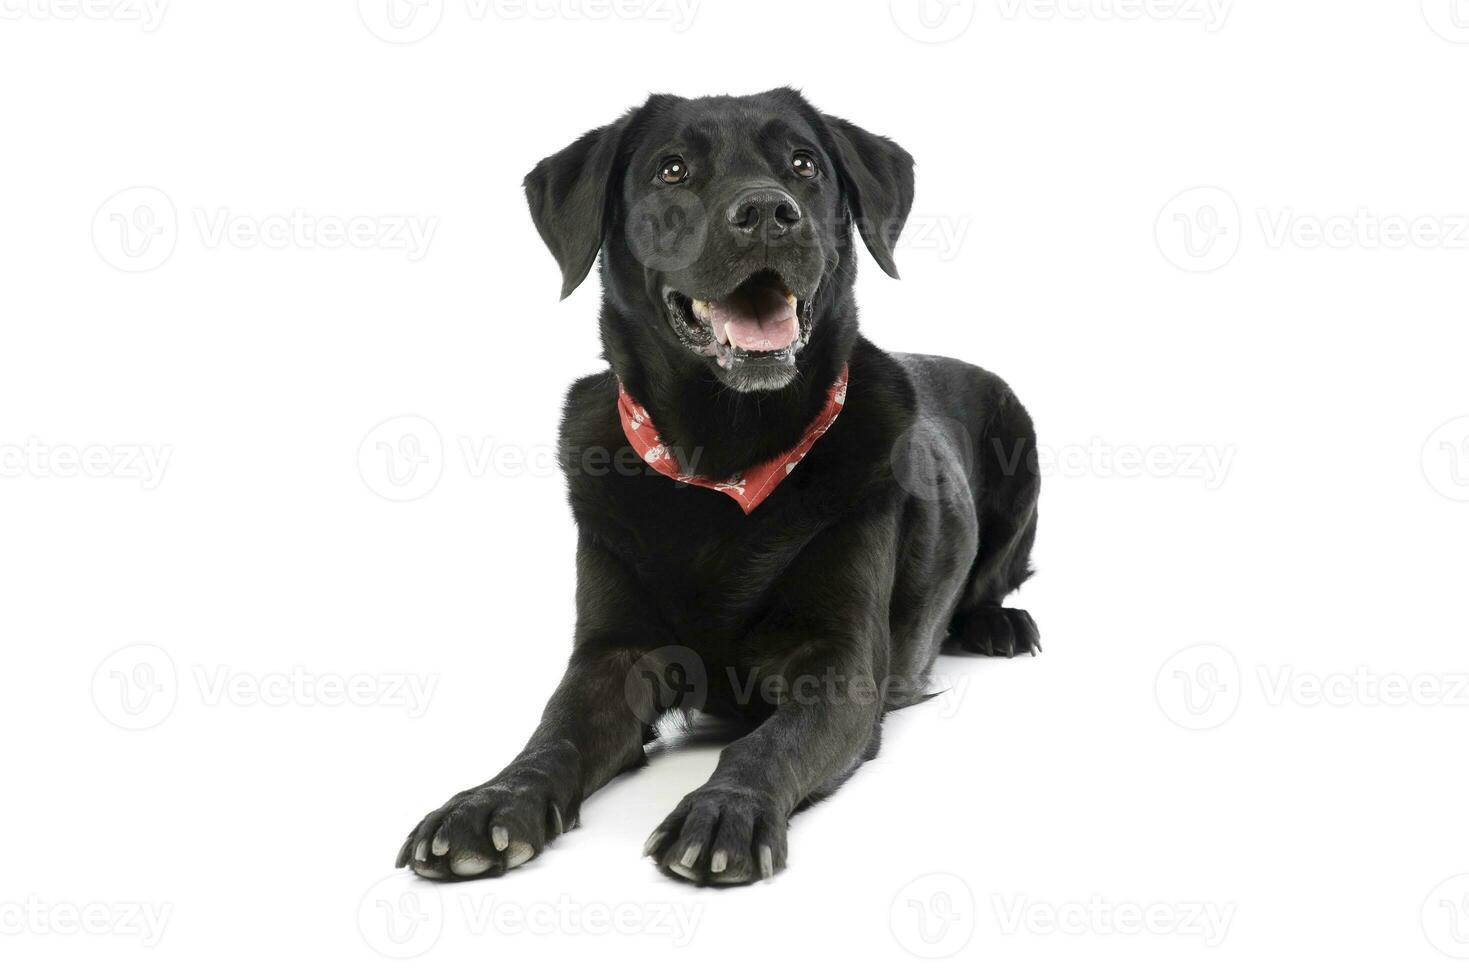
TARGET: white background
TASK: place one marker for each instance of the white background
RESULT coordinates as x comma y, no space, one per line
1171,754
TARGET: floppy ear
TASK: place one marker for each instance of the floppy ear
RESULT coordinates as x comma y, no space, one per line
567,192
877,176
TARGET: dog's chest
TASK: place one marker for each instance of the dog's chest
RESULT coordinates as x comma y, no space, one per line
711,570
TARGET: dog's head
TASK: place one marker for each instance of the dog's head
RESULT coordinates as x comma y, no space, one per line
725,227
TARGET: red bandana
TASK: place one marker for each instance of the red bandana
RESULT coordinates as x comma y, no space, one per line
749,488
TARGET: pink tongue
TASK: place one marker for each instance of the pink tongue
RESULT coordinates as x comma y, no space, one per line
756,319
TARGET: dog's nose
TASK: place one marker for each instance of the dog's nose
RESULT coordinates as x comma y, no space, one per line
765,210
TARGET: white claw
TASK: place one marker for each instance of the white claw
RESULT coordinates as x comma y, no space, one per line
519,853
469,864
767,862
732,878
652,845
441,844
420,853
690,855
556,819
718,861
684,872
500,837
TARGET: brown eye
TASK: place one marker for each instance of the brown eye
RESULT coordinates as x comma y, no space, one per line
804,164
673,171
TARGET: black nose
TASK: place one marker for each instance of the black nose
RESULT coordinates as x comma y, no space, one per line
764,210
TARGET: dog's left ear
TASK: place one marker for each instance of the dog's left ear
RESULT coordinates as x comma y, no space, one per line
877,177
567,192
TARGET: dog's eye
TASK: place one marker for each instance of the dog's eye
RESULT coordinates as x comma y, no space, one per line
804,164
673,171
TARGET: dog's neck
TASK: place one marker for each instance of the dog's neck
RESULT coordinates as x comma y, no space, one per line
717,430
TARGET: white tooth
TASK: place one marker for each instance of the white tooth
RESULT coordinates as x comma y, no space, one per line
700,308
790,297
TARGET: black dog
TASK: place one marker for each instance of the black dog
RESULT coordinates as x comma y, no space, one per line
725,227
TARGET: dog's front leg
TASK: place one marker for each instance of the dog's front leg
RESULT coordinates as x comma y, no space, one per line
593,728
732,830
827,692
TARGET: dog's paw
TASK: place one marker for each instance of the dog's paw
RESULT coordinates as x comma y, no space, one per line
994,631
486,831
721,835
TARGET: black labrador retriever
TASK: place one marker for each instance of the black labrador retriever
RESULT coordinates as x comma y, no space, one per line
779,524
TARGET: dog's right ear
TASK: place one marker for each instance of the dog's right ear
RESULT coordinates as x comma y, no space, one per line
567,192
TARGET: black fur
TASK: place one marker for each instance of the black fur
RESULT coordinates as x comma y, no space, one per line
807,619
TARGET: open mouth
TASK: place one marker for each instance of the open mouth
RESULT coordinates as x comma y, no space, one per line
762,318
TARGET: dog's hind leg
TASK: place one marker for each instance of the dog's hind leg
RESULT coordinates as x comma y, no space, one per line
1008,477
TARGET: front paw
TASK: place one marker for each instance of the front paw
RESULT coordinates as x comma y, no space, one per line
486,831
721,836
